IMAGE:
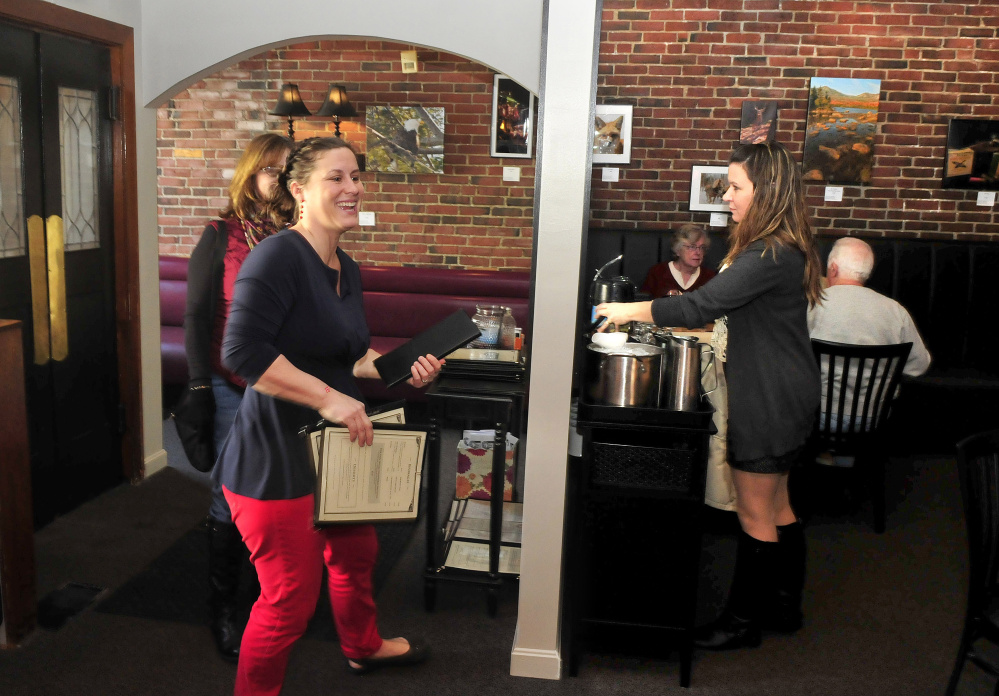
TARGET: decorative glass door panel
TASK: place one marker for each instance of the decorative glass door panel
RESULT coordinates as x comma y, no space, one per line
57,259
13,240
80,178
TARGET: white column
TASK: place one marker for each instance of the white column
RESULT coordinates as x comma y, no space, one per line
568,86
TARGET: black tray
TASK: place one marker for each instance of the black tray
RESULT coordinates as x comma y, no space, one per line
636,415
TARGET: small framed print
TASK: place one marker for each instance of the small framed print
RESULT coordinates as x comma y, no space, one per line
612,134
707,186
513,119
759,122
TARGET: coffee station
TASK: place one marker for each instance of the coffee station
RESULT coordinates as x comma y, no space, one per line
643,423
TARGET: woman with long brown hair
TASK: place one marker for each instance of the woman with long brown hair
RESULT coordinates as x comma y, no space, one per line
214,390
770,277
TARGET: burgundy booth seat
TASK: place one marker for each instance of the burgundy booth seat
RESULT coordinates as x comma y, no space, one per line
399,302
173,299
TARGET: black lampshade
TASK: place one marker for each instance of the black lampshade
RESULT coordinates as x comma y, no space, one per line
290,102
337,103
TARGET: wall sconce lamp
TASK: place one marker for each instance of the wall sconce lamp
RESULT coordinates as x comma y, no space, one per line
290,104
338,106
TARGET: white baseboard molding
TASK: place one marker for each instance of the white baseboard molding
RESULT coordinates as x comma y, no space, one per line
155,463
533,662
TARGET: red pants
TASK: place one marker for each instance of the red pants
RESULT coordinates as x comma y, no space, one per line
288,553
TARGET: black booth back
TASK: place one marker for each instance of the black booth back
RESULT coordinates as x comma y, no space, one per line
949,287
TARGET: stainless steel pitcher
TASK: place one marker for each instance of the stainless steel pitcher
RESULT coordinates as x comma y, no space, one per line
680,386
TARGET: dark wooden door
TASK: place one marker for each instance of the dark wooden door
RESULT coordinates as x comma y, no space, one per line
57,259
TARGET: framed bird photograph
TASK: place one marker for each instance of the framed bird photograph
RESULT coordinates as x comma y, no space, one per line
405,139
513,119
972,154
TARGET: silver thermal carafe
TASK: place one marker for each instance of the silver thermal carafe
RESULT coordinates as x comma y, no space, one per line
613,289
680,386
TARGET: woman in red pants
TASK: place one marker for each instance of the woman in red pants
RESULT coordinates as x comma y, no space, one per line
297,334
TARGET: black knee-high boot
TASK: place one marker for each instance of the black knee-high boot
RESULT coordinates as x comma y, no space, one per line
739,625
785,615
225,555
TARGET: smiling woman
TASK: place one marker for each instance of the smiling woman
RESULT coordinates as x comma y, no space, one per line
297,334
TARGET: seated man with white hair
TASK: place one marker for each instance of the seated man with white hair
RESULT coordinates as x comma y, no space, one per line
851,313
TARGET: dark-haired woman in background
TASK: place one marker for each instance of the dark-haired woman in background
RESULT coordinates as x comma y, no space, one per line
771,276
297,334
212,271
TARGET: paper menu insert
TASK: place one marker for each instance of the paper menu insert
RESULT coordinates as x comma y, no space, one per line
395,415
380,481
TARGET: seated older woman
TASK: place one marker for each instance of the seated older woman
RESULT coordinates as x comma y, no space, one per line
684,272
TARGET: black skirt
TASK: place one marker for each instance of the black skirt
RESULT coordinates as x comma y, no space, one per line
771,464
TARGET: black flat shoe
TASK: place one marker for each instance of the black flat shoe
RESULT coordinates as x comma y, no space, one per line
417,653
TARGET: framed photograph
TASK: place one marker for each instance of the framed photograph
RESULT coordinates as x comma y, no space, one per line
612,134
839,132
404,139
513,119
972,154
759,122
707,186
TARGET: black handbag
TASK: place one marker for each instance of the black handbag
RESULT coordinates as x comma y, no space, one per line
194,416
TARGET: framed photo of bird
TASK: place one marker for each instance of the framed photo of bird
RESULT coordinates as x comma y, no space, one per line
405,139
513,119
972,154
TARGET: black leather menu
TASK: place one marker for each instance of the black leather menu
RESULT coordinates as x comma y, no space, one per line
451,333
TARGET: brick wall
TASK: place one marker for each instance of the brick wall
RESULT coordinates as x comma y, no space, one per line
687,65
467,217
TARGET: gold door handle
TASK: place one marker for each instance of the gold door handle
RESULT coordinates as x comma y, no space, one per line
55,243
39,288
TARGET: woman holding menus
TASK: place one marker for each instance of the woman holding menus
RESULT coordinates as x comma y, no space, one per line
297,334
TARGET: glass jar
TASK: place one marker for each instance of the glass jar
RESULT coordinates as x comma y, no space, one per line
489,319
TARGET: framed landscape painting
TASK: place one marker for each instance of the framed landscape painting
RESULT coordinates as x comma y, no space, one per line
839,132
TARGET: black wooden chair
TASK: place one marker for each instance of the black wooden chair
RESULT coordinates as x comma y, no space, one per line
852,420
978,469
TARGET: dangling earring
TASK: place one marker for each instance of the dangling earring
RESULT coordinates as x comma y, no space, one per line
301,210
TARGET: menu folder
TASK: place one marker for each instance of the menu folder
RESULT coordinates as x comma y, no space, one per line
447,335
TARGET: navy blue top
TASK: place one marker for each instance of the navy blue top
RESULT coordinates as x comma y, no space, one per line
285,303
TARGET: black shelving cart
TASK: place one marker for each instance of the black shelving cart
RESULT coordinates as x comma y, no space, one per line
635,522
499,403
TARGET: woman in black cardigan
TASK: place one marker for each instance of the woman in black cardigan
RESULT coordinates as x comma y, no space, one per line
211,273
770,277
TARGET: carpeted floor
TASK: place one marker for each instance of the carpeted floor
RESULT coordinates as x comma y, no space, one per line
173,587
882,613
